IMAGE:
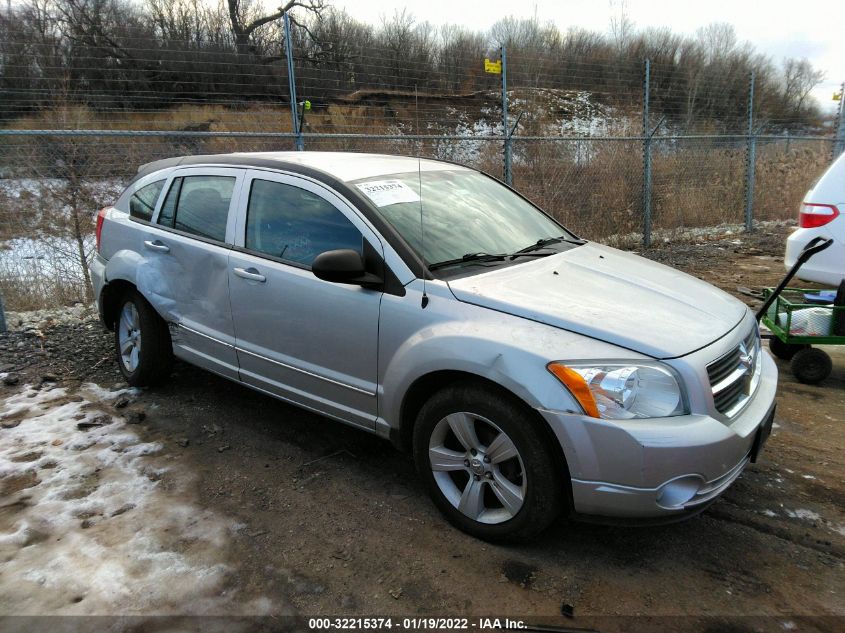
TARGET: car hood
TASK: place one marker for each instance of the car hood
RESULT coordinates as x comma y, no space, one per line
609,295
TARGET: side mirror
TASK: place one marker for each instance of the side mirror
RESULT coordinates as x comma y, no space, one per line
344,266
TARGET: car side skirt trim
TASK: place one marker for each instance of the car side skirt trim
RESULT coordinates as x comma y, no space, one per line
306,372
205,336
276,362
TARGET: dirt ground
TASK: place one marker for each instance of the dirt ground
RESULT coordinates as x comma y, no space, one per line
321,519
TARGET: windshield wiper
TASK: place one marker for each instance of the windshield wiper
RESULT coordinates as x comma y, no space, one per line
469,257
528,251
540,244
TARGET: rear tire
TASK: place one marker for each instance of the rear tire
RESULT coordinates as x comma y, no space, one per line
495,477
811,366
142,342
784,351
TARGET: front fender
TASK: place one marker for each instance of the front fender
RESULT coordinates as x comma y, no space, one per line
509,351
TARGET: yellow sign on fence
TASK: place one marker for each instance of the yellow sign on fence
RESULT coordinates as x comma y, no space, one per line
837,96
493,67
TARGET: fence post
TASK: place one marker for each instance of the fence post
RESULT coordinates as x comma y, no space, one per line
646,156
839,143
750,159
300,142
507,173
2,315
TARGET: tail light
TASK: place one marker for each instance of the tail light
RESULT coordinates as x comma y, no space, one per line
815,215
101,216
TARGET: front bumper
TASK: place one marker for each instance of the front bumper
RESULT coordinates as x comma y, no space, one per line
664,468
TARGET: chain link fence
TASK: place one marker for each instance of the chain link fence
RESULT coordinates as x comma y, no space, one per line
623,153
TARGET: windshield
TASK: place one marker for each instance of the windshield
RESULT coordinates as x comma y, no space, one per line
464,212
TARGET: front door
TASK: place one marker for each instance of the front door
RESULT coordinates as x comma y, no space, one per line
309,341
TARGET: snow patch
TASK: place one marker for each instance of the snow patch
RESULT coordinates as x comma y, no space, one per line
89,526
98,393
804,515
46,256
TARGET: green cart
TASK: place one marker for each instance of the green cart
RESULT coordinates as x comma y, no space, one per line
798,319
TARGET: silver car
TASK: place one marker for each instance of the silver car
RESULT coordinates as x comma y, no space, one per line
530,372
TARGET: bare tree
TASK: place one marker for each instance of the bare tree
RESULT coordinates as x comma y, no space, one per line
717,40
621,26
799,79
67,166
458,61
137,55
246,18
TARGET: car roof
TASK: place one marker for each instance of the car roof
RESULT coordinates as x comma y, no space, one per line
344,166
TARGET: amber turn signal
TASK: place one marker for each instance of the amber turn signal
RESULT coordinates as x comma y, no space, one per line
577,387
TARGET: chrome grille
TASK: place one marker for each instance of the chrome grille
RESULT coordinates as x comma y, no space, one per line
731,376
724,367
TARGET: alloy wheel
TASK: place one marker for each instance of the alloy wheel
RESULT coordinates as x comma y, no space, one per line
129,337
477,467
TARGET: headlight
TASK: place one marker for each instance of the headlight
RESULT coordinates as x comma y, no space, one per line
622,391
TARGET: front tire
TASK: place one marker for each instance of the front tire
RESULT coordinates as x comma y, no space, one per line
142,342
486,463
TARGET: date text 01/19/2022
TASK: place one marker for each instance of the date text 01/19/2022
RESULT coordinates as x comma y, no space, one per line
413,624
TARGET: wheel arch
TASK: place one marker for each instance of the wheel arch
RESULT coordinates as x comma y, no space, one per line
427,385
110,297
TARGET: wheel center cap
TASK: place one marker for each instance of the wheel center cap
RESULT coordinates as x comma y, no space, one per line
476,466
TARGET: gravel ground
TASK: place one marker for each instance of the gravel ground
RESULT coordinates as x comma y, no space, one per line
284,512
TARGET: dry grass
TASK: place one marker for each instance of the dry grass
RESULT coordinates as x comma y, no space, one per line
697,184
595,187
36,284
592,187
784,174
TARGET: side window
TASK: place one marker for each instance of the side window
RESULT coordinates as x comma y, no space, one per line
295,225
199,205
142,203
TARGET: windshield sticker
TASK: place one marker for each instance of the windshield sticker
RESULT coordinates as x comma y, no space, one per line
386,192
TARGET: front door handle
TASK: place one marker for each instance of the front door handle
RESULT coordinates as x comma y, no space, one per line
157,245
250,273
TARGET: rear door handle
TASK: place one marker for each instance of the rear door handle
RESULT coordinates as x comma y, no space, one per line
157,245
251,274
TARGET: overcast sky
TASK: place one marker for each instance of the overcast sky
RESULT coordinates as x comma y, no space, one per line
814,29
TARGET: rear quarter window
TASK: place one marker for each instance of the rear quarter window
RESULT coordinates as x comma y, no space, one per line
142,203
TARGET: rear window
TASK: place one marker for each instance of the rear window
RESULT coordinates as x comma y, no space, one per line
142,203
199,205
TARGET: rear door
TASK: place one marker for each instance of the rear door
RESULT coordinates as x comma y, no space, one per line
186,247
309,341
